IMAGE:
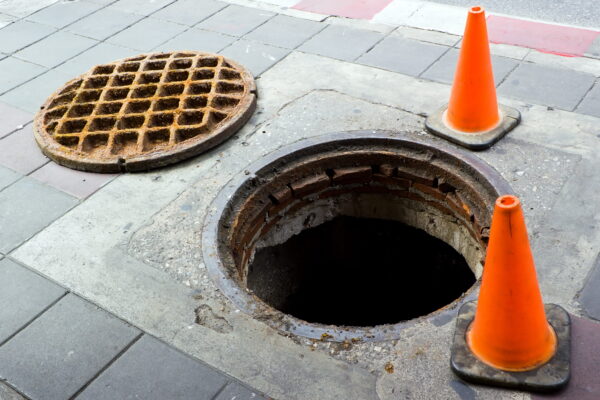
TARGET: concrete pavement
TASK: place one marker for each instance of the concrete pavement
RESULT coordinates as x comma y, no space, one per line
126,248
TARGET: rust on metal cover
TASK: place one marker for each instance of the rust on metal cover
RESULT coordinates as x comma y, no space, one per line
146,111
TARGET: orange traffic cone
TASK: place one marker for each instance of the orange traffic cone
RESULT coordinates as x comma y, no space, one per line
472,117
509,333
473,106
510,330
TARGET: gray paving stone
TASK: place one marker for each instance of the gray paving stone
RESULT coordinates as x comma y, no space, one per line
63,13
406,56
591,102
590,295
147,34
284,31
26,207
236,20
235,391
198,39
142,7
76,183
99,54
189,12
6,19
20,34
152,370
103,23
443,69
19,151
255,56
23,295
31,95
63,349
545,85
341,42
7,176
12,119
7,393
15,72
55,49
23,8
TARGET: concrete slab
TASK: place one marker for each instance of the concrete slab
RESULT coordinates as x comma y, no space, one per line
26,208
69,344
21,34
590,104
235,20
136,375
7,177
397,12
99,54
7,393
24,296
439,17
199,40
189,12
51,51
142,7
103,23
12,119
20,152
443,69
76,183
145,35
235,391
6,19
341,42
62,14
255,56
284,31
32,94
590,297
21,9
15,72
406,56
155,248
550,86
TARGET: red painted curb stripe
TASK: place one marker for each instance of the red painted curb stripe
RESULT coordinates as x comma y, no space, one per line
362,9
555,39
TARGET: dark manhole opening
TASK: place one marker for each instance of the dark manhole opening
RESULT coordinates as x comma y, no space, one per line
359,272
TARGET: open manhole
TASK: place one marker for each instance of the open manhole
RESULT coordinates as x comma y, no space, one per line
352,235
145,112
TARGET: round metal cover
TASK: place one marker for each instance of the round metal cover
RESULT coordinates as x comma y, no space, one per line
145,112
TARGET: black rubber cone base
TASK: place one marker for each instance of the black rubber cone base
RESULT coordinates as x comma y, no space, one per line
549,377
474,141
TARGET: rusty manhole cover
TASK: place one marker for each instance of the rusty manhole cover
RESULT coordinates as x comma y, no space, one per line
145,112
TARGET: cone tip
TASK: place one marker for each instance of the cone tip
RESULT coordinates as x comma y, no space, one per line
508,202
476,10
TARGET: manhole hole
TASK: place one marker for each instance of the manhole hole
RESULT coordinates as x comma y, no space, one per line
352,235
145,111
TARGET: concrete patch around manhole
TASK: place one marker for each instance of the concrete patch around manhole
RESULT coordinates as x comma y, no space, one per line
145,112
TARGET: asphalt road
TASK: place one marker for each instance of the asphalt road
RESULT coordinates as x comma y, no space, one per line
584,13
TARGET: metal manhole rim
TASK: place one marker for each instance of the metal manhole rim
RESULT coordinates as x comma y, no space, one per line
73,158
256,308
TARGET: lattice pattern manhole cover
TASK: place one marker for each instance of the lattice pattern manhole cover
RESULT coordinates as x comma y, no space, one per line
146,111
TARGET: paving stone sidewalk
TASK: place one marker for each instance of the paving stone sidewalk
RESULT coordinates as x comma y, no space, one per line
55,344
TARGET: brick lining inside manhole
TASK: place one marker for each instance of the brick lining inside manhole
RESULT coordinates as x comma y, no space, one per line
145,111
312,234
